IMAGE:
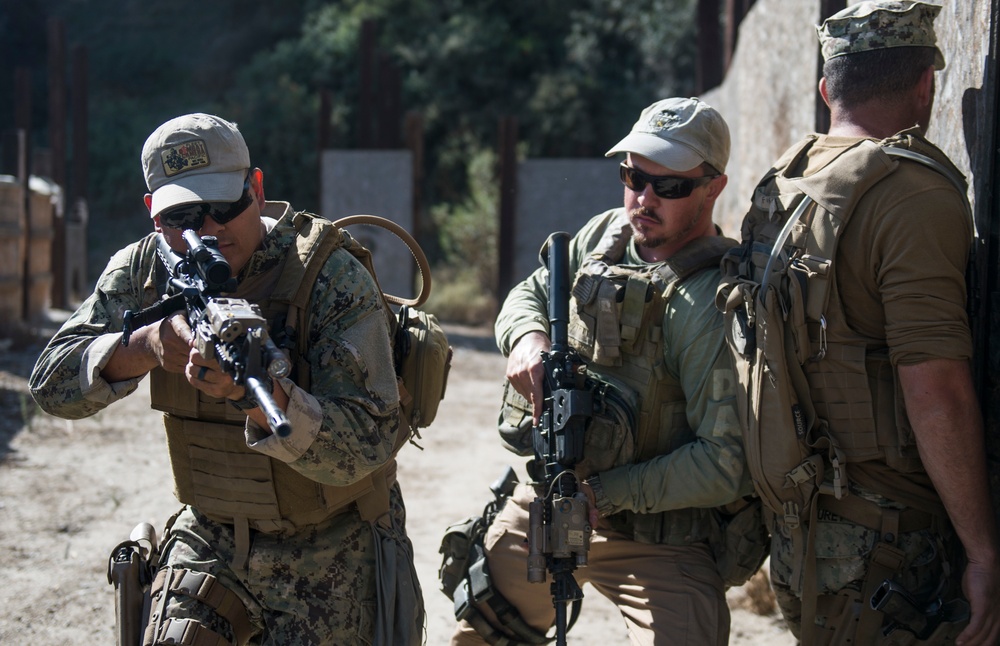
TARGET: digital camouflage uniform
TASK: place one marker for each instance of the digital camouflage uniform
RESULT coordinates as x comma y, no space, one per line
307,585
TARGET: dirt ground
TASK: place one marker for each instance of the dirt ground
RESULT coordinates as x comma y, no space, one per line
70,491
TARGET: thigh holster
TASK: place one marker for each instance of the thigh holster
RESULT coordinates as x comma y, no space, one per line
205,589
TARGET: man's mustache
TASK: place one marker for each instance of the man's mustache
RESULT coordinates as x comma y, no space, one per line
643,212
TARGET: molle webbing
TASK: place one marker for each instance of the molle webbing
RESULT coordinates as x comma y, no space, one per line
214,470
623,344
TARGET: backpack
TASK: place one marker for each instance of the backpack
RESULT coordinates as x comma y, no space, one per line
778,294
421,352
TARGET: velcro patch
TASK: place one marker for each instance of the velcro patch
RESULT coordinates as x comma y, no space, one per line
185,156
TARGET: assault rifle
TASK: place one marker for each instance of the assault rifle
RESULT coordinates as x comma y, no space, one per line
230,330
559,528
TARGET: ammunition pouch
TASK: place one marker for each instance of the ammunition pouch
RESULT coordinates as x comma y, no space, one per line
742,542
465,576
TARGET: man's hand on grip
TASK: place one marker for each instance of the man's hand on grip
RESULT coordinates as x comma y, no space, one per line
525,370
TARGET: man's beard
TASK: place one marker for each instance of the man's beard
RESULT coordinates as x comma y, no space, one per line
649,242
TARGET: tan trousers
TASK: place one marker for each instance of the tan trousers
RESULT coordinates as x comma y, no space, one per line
666,594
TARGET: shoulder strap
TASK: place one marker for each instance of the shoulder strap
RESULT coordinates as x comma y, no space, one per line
912,155
699,254
611,248
317,239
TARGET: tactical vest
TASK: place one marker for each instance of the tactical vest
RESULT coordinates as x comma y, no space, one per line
213,469
641,407
817,405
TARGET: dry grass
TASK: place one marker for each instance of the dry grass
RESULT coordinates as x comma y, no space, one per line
758,596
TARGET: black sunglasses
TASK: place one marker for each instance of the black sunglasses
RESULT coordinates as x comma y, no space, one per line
666,186
192,216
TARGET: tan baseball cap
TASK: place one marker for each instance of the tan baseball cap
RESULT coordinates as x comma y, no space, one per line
195,158
880,25
679,134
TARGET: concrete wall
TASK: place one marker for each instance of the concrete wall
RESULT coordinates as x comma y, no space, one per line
559,195
768,97
374,182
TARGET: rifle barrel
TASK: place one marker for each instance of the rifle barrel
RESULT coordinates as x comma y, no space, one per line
558,265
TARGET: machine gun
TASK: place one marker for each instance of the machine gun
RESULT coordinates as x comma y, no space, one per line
559,527
230,330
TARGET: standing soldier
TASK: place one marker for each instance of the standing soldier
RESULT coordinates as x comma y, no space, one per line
847,320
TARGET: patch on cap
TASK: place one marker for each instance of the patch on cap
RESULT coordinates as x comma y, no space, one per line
662,120
880,24
185,156
679,134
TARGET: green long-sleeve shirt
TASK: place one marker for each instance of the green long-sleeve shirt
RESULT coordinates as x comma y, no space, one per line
706,472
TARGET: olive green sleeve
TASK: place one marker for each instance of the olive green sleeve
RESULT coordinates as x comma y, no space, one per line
526,307
710,470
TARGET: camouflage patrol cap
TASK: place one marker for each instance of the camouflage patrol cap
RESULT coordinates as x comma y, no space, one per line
880,25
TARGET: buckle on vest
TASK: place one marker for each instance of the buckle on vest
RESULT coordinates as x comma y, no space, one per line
807,471
791,516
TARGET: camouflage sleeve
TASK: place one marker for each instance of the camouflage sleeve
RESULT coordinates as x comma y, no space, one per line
66,380
708,471
345,426
526,307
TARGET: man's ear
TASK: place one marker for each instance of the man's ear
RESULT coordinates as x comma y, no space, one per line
925,86
257,185
148,199
715,188
822,91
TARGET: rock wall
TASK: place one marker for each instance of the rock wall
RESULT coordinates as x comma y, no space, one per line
769,96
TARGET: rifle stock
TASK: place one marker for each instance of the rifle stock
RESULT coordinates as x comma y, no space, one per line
559,529
230,330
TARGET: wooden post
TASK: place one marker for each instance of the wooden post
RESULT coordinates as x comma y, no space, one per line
81,166
736,11
57,147
322,138
413,133
508,206
366,98
22,121
709,64
390,119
